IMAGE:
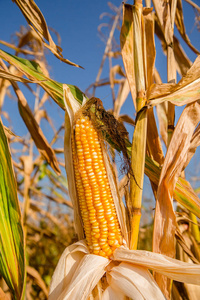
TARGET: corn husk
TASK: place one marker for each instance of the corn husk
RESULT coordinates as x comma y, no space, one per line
127,274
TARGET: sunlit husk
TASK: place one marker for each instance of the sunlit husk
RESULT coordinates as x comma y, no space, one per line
73,107
77,273
135,282
172,268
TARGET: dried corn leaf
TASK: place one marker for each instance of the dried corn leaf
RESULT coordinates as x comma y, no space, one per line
33,71
183,62
154,148
37,22
38,279
9,76
113,71
127,119
121,97
183,192
165,220
36,133
162,120
194,143
161,111
162,9
186,91
126,41
179,21
186,196
12,260
150,51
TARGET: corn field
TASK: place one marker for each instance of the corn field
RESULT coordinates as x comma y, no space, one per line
75,221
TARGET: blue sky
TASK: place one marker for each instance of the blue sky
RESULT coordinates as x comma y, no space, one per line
77,23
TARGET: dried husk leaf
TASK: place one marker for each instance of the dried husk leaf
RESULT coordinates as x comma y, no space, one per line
119,205
68,263
172,268
77,273
37,22
165,220
185,92
69,116
110,293
134,281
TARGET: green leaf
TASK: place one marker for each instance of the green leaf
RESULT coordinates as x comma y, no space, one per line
32,70
12,261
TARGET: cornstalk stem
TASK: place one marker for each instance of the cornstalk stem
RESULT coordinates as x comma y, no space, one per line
138,150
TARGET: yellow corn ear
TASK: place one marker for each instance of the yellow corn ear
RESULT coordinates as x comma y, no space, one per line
94,194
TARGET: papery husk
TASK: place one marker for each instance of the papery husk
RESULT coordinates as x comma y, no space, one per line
72,106
119,205
77,273
172,268
135,282
110,293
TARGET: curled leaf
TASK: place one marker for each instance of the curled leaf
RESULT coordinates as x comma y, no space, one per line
37,22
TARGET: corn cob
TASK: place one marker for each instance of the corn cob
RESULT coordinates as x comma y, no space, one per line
95,199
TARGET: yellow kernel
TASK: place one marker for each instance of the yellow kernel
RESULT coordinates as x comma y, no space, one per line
109,252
